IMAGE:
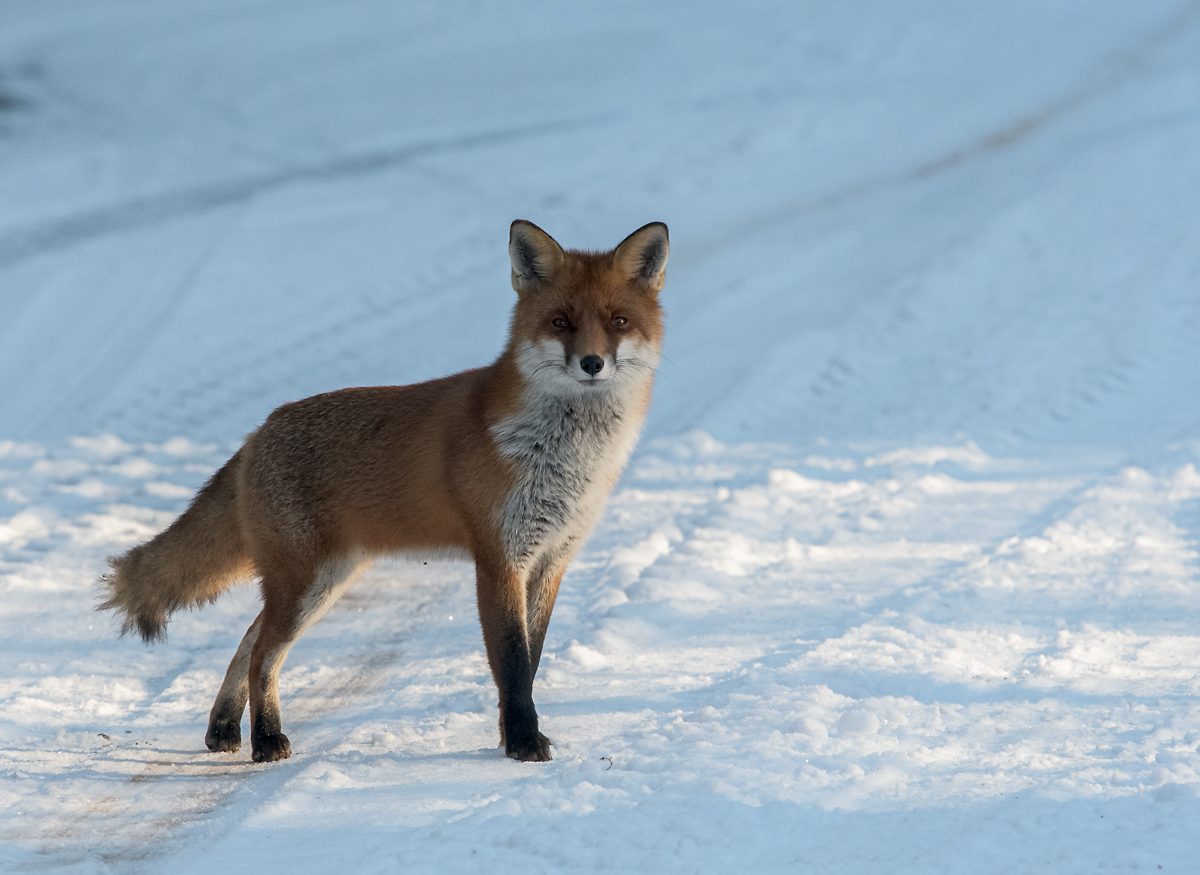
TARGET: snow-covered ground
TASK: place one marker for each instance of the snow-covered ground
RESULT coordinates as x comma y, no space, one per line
903,576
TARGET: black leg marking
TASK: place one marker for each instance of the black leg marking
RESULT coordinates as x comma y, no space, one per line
224,721
224,736
266,737
518,717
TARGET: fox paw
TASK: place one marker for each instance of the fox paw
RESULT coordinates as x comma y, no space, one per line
536,750
269,748
223,736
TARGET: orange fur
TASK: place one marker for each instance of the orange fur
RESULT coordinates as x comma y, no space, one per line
508,465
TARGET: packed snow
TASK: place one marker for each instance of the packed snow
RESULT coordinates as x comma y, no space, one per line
903,575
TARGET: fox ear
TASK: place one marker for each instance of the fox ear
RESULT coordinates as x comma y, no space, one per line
642,256
534,255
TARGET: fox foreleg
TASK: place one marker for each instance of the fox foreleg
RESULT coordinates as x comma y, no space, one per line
542,591
502,614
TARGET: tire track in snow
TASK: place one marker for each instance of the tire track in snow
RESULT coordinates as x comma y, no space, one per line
839,377
140,212
1121,67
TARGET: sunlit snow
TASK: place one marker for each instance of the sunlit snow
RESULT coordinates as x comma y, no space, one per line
903,576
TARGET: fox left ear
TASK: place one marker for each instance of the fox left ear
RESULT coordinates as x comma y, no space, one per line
642,256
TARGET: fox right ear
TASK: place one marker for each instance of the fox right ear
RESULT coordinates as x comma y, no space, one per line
534,255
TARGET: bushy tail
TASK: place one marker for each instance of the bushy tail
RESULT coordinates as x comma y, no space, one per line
201,555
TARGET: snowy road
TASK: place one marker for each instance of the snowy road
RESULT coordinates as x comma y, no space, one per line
904,575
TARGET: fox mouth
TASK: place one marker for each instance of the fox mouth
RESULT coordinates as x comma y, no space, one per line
546,364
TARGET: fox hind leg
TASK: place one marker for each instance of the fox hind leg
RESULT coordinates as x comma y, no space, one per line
281,622
274,640
225,719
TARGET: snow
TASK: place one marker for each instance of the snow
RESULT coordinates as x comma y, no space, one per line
904,573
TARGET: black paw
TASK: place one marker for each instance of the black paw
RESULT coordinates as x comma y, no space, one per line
534,750
268,748
223,736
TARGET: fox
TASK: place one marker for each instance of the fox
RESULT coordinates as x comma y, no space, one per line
508,466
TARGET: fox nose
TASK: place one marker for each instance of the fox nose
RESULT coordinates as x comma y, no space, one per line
593,364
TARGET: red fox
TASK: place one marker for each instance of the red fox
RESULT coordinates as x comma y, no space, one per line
508,465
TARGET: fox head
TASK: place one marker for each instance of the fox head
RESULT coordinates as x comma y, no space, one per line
586,322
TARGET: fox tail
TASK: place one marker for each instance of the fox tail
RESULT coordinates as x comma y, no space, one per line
201,555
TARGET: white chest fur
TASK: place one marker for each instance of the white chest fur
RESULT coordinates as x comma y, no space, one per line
569,452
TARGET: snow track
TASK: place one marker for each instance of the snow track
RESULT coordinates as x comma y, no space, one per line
152,211
904,575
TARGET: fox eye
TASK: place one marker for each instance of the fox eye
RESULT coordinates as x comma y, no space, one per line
620,320
560,322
